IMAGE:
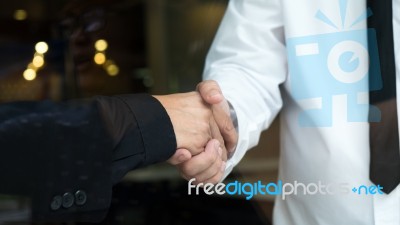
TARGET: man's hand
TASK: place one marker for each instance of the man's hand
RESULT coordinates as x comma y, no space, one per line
205,171
212,94
193,123
207,167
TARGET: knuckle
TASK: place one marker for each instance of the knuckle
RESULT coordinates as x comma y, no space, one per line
203,139
228,125
199,144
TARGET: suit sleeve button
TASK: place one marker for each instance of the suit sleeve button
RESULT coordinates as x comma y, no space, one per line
67,200
56,203
80,197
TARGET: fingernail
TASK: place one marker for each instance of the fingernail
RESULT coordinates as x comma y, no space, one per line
223,166
220,151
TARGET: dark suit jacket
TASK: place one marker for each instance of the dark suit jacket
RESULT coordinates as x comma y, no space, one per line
66,157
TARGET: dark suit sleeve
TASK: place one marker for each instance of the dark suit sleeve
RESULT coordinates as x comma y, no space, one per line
66,157
142,132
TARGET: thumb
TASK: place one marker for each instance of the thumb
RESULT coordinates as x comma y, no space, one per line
181,155
210,92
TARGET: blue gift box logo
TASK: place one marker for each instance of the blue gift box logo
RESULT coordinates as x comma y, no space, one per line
340,63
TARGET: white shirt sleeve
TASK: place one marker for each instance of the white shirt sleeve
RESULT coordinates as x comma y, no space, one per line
248,60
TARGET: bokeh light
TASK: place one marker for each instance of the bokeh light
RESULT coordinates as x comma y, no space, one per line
41,47
99,58
112,69
20,14
29,74
101,45
31,66
38,61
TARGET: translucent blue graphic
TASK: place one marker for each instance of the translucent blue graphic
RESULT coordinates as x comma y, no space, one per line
362,17
321,16
348,63
340,63
343,10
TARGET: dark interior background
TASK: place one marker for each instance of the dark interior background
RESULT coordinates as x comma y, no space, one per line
155,46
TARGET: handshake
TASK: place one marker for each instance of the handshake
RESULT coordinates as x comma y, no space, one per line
204,131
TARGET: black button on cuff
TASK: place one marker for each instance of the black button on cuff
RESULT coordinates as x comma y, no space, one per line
67,200
56,203
80,197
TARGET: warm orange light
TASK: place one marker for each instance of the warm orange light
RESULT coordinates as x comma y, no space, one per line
99,58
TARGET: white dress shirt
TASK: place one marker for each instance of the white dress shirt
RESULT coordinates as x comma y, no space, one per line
249,60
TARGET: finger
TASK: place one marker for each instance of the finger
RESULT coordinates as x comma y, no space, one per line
223,119
180,156
217,177
210,92
210,172
202,161
216,134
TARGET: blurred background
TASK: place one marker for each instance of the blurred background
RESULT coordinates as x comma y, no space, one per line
68,49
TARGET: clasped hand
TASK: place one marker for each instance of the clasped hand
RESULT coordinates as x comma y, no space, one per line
204,131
